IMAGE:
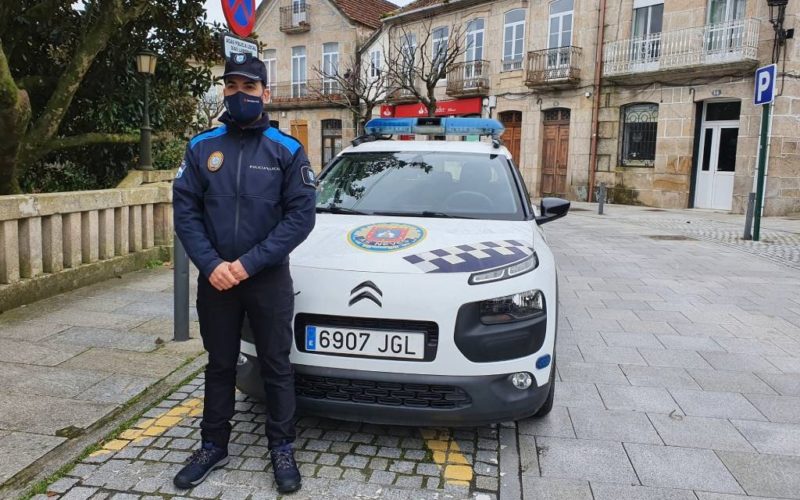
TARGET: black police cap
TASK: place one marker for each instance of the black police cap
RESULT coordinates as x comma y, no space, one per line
247,66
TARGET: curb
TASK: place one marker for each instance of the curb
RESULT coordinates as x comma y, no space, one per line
72,450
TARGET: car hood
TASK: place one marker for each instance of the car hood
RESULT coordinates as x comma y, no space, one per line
413,245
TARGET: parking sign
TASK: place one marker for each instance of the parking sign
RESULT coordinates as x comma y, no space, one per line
765,84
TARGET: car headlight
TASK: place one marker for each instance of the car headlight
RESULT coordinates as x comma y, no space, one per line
523,305
501,273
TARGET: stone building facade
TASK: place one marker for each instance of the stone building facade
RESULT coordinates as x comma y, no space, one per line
297,37
676,124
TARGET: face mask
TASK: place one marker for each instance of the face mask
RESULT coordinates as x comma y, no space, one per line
244,108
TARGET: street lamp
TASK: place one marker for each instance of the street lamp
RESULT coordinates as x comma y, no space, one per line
777,14
146,65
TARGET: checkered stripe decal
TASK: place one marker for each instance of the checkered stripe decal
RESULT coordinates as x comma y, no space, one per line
471,258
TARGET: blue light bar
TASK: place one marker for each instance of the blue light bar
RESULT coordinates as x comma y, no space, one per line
435,126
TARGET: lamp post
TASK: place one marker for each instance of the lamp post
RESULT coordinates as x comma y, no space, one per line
146,65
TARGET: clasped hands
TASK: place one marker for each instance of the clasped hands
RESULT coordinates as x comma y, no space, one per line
227,275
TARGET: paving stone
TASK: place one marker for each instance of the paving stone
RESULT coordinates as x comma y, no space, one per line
485,469
682,342
786,384
603,491
79,493
330,472
428,469
591,373
366,450
659,376
715,404
414,455
777,408
402,466
555,424
730,381
669,467
769,437
388,452
764,475
636,340
674,358
614,355
27,414
577,395
379,463
355,461
555,488
584,459
382,477
626,426
111,339
62,485
20,449
739,362
699,432
649,399
411,482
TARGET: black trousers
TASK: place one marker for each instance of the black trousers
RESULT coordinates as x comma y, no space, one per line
268,300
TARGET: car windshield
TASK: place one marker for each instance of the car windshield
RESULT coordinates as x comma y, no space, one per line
422,184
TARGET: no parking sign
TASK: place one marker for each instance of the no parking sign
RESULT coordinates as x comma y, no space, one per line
241,15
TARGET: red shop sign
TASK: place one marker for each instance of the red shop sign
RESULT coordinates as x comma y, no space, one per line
459,107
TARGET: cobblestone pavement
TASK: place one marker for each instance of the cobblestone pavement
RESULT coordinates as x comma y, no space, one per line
678,378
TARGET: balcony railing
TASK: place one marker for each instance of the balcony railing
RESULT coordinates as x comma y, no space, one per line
396,94
469,78
707,49
310,92
295,18
558,67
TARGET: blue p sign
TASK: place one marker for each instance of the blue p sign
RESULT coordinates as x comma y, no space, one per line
765,84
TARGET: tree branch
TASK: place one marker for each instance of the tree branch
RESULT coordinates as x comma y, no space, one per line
113,15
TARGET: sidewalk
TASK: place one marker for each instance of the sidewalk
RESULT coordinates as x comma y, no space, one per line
780,236
69,362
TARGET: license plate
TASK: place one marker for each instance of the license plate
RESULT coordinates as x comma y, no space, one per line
361,342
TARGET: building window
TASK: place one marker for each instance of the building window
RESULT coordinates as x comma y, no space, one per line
639,127
439,50
375,61
271,62
331,139
513,39
408,56
648,18
474,53
330,67
299,76
560,32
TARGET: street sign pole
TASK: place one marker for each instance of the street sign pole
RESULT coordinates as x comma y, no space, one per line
764,96
762,170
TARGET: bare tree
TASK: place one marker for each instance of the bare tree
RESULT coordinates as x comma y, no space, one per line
210,106
418,57
356,86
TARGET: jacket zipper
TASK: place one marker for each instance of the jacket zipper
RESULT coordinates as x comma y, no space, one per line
238,181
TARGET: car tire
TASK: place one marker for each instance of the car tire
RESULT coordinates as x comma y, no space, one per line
548,403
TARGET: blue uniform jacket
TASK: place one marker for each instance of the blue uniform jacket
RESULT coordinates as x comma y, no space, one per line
243,193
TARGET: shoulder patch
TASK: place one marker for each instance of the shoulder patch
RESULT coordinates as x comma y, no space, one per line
284,140
181,169
208,134
309,178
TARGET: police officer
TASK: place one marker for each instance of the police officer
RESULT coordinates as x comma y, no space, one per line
244,198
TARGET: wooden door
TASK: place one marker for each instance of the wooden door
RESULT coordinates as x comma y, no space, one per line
300,132
555,153
512,137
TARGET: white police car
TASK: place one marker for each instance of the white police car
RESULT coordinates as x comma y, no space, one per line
426,293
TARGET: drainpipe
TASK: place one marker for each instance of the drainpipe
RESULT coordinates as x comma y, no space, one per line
598,73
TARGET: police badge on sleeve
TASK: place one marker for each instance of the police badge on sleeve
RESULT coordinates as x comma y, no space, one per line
309,178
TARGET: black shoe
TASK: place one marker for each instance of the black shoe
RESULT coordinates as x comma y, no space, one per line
287,476
201,463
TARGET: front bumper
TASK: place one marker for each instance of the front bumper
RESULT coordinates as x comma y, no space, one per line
403,399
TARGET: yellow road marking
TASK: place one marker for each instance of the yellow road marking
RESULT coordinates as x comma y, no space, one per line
447,455
152,427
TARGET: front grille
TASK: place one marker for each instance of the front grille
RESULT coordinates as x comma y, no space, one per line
430,328
371,392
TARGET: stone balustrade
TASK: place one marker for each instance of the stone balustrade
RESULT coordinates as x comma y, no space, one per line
46,235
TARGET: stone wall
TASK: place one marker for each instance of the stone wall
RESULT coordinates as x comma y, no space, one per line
53,242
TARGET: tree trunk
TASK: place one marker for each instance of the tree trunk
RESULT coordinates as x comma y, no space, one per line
15,113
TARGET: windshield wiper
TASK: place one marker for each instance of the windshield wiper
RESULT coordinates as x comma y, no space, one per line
334,209
424,213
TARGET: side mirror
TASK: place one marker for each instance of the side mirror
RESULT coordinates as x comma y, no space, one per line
552,209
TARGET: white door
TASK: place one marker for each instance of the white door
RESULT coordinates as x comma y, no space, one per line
716,165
